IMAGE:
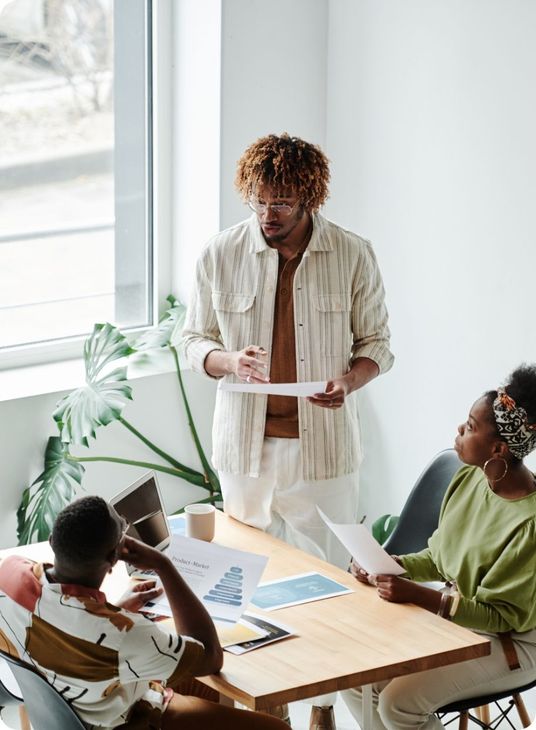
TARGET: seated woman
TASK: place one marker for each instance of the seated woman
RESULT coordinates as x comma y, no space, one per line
485,546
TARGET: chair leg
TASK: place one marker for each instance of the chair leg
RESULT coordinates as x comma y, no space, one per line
483,714
521,709
24,719
322,718
464,720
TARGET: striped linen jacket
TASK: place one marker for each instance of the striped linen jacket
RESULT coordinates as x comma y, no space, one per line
339,314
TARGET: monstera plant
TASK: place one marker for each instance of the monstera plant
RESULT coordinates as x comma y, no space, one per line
98,403
383,527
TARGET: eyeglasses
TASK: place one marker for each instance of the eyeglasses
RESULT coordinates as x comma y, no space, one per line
125,527
280,209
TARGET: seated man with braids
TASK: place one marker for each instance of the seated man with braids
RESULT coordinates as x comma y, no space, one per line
115,667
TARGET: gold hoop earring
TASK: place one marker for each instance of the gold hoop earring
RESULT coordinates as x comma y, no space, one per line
505,472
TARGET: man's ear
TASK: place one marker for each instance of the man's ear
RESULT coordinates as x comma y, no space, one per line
112,557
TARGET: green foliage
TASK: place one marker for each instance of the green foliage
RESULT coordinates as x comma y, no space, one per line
49,493
101,400
98,403
383,527
171,323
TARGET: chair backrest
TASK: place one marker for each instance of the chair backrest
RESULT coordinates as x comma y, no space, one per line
46,708
9,694
420,514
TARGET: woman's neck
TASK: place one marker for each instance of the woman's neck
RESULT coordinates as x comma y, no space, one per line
518,482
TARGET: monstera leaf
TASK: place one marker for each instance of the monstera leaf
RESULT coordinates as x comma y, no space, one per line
98,403
165,336
49,493
383,527
102,399
161,336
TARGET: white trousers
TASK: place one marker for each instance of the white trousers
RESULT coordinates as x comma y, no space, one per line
410,701
280,502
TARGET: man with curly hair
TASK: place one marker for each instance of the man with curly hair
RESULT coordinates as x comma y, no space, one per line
288,296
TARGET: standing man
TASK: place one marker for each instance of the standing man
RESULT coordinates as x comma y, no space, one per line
288,296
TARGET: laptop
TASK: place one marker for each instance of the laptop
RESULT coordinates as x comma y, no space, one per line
141,505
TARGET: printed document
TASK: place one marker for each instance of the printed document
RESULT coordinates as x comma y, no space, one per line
363,547
296,589
301,390
273,631
222,578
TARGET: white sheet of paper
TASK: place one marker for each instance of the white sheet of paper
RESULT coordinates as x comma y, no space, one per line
301,390
222,578
363,547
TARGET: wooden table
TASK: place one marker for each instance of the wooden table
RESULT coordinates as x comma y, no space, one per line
346,641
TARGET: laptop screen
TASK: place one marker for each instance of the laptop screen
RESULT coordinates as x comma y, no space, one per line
141,505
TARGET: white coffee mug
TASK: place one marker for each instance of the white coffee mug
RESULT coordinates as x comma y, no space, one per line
200,521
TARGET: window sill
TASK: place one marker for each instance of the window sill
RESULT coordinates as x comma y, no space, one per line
56,377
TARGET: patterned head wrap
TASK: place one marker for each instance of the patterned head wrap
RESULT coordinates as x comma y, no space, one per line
513,425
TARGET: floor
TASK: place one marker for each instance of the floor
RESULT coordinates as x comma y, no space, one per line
299,715
301,711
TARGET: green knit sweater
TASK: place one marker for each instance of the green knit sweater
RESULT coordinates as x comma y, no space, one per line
487,544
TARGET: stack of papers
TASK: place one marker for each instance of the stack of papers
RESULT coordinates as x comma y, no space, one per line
239,633
270,630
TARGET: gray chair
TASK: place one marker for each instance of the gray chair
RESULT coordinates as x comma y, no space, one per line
8,695
418,520
420,514
482,715
46,708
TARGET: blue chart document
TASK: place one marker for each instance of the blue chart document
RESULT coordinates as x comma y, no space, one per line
222,578
229,588
177,524
296,589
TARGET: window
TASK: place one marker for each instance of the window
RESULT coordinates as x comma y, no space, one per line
76,178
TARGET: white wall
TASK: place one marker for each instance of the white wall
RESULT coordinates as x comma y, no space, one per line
156,411
195,144
270,63
272,69
274,63
427,112
431,118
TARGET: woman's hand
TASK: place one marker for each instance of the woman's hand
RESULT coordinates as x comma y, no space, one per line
139,594
359,573
402,590
397,590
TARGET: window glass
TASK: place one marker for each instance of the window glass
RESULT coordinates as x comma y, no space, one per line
75,193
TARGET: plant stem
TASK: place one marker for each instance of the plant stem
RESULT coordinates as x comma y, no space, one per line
195,437
208,500
155,448
195,478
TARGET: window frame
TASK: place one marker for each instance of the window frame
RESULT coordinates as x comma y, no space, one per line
157,38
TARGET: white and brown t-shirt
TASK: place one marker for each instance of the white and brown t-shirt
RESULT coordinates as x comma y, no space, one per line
111,664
